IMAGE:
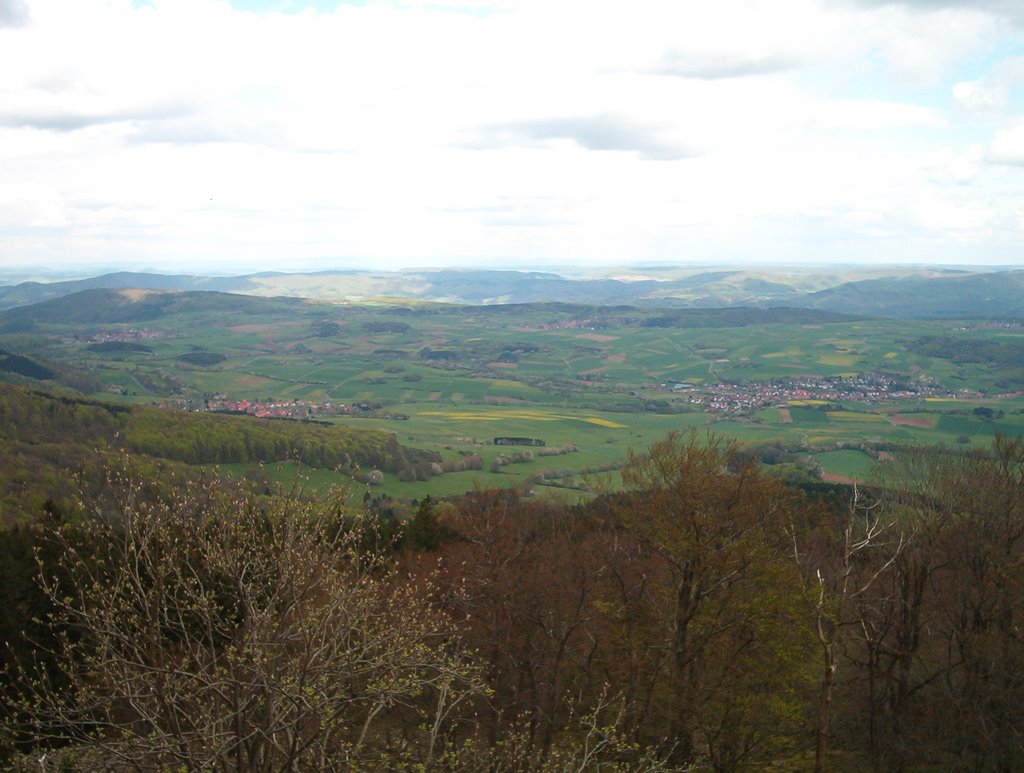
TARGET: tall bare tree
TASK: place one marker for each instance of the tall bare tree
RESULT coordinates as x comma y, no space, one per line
214,632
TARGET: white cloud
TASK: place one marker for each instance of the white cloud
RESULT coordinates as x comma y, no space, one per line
1002,10
864,115
13,13
737,39
435,131
979,96
919,44
599,132
948,165
991,93
1008,145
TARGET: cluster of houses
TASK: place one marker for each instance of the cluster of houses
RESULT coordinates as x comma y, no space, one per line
573,324
864,388
130,334
271,409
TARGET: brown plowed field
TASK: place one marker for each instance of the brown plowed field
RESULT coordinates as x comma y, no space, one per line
923,422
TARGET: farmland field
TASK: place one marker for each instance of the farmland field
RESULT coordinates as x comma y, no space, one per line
601,380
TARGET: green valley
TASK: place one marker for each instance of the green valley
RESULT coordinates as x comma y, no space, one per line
586,383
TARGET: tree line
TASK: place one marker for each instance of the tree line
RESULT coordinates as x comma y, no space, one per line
47,440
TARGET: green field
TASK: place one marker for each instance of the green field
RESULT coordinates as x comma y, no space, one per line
604,379
848,464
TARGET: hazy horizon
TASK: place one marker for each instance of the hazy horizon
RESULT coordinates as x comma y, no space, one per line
626,272
219,138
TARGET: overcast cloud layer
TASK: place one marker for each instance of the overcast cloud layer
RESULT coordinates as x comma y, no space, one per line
203,135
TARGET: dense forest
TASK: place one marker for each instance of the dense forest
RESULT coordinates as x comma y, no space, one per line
707,617
49,442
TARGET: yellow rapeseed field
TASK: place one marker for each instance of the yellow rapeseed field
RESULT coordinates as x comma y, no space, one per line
524,415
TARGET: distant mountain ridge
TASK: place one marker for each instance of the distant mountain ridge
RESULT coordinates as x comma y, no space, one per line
133,306
27,293
906,293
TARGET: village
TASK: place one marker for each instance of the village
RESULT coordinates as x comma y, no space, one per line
865,388
127,335
270,409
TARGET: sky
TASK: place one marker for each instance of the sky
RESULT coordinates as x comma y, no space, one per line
210,136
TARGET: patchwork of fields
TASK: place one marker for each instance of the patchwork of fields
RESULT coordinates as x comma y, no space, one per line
603,380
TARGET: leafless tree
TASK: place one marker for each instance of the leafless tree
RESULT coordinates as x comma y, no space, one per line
210,632
839,573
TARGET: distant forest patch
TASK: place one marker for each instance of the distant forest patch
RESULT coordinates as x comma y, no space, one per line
202,358
23,366
1003,353
384,326
743,316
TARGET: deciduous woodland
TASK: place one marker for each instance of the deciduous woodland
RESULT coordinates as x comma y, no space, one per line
706,617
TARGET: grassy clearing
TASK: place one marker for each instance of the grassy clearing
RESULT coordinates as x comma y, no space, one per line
850,464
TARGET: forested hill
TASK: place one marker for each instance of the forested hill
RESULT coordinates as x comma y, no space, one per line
995,294
126,306
141,305
46,438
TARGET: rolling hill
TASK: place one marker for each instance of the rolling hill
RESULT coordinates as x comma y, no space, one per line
998,294
896,292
